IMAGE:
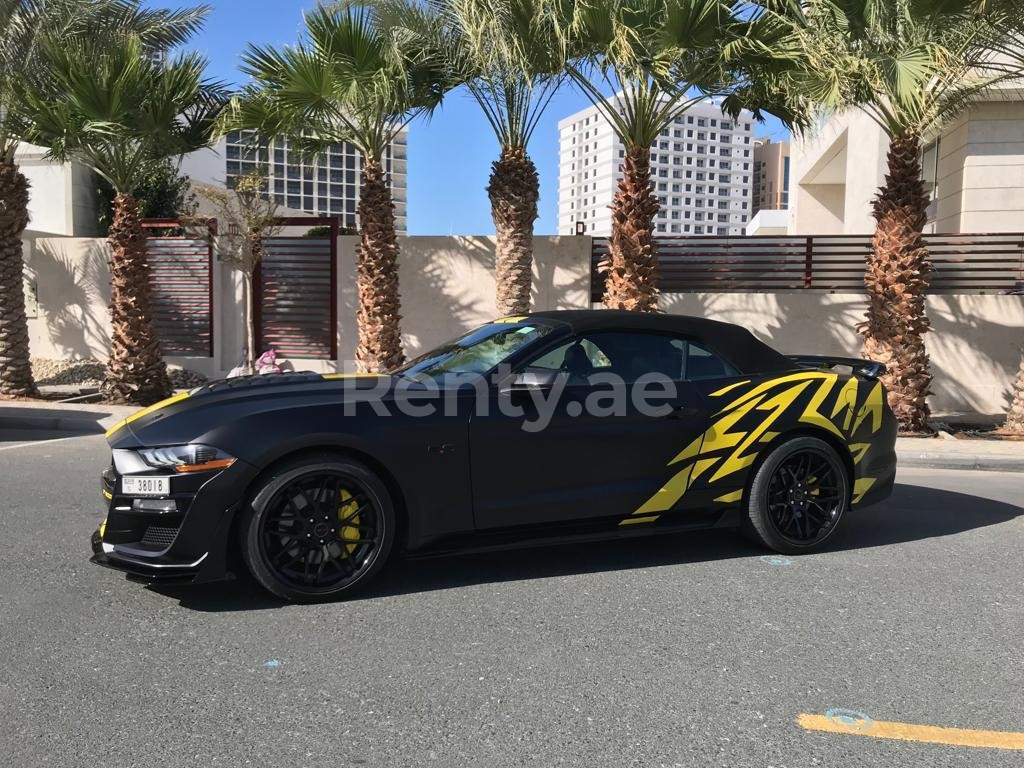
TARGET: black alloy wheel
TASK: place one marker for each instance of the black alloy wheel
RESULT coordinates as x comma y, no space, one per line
798,496
318,529
803,497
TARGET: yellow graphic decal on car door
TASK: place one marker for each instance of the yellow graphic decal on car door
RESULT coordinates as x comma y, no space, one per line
731,443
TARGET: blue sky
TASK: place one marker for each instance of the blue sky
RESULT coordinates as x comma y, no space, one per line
449,157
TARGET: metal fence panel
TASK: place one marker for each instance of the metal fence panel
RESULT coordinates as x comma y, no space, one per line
296,300
963,263
181,284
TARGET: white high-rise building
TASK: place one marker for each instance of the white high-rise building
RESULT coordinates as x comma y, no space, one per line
701,170
327,187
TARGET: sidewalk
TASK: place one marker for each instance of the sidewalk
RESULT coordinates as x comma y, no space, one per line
85,418
931,453
936,453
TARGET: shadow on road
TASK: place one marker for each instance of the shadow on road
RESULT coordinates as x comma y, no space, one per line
913,513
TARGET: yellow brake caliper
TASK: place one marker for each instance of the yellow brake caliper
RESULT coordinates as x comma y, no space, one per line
349,532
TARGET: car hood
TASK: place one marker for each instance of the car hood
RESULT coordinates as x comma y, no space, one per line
186,416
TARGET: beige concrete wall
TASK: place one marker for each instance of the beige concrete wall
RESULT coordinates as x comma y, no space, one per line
975,344
72,287
447,288
446,283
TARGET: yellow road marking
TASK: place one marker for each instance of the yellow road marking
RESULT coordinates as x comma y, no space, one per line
880,729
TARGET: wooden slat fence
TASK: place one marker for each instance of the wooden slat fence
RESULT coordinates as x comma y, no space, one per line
181,284
963,263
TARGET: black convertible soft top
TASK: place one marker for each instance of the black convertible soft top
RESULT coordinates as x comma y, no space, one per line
747,353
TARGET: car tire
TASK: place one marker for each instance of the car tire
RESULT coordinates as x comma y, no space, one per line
791,514
298,522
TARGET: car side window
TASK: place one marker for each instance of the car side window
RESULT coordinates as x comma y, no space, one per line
703,364
630,356
627,355
555,359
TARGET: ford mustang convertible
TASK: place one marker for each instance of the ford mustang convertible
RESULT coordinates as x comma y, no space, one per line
549,427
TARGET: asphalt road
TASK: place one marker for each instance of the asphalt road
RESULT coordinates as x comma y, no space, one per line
689,651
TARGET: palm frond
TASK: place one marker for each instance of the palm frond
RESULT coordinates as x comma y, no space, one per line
117,111
347,79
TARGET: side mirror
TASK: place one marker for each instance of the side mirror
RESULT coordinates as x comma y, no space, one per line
528,380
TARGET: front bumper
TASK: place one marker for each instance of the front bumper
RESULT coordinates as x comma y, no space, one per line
181,538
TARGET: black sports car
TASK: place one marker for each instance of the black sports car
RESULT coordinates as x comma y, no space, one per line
548,427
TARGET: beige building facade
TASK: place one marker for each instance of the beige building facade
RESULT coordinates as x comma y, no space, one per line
974,170
771,175
63,197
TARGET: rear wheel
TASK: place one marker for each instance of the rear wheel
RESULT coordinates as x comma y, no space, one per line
319,528
798,496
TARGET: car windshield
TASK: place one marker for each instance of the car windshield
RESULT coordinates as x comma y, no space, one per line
477,352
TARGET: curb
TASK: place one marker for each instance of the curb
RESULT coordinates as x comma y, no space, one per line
974,462
56,423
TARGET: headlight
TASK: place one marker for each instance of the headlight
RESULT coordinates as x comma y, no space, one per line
186,458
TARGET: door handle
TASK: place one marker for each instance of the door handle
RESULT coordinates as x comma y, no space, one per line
683,412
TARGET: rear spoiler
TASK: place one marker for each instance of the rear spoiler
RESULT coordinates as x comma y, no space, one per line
868,368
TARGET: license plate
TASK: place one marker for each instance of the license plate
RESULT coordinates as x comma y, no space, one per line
146,486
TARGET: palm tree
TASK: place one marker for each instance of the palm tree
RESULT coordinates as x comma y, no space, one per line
910,65
1015,414
23,24
348,79
642,63
115,110
509,57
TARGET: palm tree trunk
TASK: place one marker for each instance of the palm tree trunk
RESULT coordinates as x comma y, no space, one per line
379,318
135,371
897,280
250,322
1015,416
514,191
15,365
632,270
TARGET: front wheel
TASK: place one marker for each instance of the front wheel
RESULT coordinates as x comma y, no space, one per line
798,496
318,528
